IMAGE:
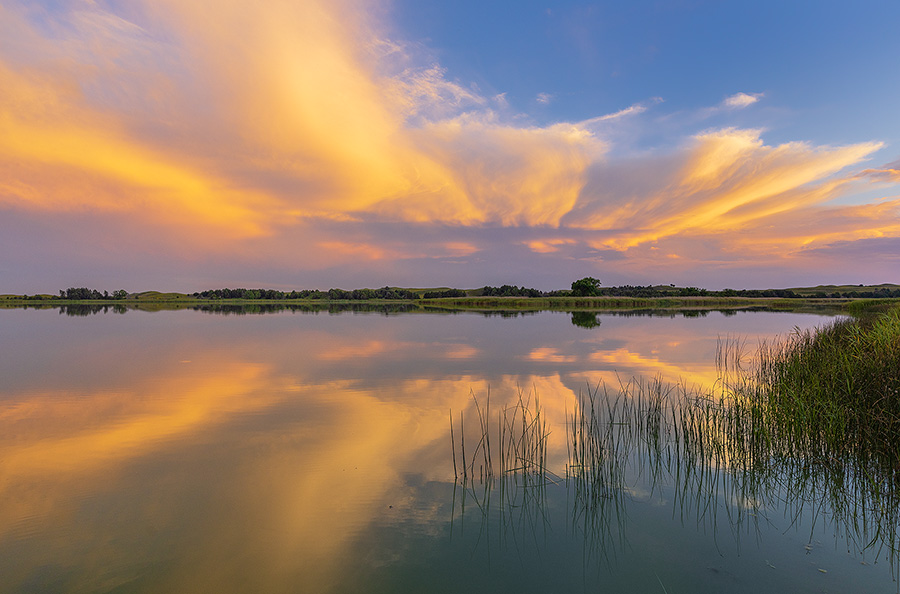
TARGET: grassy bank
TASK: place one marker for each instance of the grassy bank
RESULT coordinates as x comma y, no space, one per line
835,390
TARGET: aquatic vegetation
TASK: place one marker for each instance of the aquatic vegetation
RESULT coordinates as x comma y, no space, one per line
809,425
836,390
521,439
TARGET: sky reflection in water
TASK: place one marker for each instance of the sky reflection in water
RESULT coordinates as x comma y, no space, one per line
181,451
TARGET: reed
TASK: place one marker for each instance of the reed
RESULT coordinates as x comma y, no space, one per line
810,424
520,441
835,390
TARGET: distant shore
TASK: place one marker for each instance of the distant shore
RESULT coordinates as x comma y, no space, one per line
586,295
171,301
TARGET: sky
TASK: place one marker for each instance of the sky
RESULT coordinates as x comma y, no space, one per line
182,145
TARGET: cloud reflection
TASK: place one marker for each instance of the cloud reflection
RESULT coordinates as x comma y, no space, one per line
301,433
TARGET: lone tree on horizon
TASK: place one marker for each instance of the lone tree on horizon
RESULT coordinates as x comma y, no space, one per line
586,287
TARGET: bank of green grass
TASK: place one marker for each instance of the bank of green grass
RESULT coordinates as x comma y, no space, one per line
835,390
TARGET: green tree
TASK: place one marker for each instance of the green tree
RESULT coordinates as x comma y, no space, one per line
586,287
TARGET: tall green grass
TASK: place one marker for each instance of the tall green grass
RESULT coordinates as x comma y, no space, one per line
835,390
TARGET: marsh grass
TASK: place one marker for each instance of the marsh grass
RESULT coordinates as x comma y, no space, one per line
817,418
834,392
503,462
809,425
520,441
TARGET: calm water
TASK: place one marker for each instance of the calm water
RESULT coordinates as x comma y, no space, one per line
183,451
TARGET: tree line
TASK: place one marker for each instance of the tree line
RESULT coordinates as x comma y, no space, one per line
314,294
85,294
510,291
584,287
651,291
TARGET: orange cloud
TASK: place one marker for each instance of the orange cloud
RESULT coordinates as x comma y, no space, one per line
547,246
360,250
498,173
327,107
817,226
57,155
304,94
888,174
460,248
729,179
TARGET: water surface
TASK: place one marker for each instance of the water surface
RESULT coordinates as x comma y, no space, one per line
183,451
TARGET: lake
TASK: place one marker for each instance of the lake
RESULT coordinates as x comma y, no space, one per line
186,451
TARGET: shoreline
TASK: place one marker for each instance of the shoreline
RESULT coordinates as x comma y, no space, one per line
476,304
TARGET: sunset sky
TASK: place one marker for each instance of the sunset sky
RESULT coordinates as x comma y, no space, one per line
181,145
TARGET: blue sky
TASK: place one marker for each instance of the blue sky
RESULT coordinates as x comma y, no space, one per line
188,144
827,70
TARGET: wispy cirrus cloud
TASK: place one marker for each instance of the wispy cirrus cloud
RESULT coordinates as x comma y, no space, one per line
548,246
719,181
428,94
631,110
887,174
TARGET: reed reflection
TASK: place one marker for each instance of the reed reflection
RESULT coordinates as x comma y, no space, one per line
719,460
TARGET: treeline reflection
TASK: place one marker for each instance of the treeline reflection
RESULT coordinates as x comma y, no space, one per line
580,318
91,309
